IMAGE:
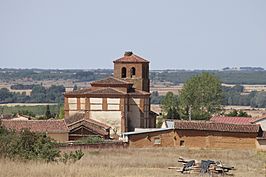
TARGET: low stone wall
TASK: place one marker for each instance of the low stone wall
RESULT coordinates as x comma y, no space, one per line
104,145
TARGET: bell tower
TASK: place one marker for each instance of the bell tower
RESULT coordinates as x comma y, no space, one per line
133,68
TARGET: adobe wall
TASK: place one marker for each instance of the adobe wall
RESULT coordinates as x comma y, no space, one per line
149,139
212,139
197,139
59,137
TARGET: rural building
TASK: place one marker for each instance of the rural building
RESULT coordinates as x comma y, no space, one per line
56,129
122,101
73,128
80,127
198,134
261,139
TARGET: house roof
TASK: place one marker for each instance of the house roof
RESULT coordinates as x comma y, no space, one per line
212,126
106,91
129,57
81,116
74,118
97,91
111,81
51,126
90,124
233,120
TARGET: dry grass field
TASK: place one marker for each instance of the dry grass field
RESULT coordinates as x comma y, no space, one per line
136,163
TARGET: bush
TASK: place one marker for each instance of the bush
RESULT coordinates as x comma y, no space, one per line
28,145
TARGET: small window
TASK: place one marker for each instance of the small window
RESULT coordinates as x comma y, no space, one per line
124,72
157,140
133,71
182,143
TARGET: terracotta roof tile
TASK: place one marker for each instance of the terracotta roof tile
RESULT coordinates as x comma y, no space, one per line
107,90
131,59
81,116
36,125
233,120
211,126
92,125
110,81
74,118
96,90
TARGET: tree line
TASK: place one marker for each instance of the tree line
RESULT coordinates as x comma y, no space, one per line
230,96
174,76
42,74
39,94
202,97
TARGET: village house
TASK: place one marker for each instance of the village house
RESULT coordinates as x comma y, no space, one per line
121,101
196,134
56,129
261,139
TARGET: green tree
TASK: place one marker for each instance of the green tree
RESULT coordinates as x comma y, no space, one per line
170,106
201,96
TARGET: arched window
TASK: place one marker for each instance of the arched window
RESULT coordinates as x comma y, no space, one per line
124,72
132,71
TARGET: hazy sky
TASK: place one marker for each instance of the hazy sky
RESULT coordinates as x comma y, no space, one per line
187,34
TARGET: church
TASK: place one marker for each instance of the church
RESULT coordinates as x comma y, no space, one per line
121,101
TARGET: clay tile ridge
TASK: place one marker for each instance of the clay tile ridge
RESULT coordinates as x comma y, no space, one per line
129,57
233,120
36,125
212,126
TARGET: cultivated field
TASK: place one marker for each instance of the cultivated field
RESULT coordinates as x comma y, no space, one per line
136,163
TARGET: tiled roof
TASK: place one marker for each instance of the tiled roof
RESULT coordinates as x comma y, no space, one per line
108,90
81,116
96,90
110,81
211,126
233,120
131,59
36,125
74,118
79,119
92,125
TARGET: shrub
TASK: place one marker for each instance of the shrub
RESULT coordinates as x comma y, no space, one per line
27,145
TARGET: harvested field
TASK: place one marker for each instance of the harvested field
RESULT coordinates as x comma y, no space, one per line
136,163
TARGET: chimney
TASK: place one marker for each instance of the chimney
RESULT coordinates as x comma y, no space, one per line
128,53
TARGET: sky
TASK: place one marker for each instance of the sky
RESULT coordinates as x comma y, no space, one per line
171,34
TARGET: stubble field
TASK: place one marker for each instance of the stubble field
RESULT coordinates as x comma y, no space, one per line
136,163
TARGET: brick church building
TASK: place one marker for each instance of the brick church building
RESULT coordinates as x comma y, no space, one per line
121,101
